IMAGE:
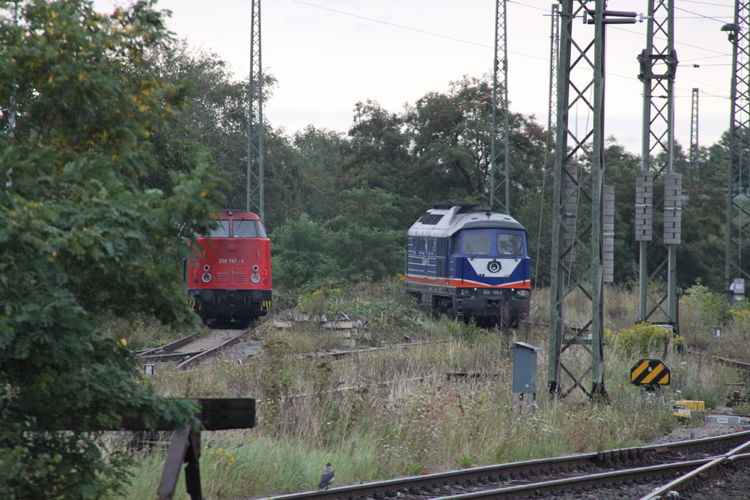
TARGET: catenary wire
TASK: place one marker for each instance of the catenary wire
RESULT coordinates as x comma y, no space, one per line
699,15
707,3
413,29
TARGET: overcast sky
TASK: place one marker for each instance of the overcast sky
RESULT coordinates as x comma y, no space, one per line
329,54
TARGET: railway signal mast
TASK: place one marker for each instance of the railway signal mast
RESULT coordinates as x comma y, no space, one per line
580,74
658,66
255,119
500,178
737,263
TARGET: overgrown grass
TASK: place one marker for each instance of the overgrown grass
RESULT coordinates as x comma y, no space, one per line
395,412
620,307
140,332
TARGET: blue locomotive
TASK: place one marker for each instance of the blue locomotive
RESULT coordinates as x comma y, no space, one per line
468,261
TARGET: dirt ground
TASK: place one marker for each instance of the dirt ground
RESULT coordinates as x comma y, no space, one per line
246,349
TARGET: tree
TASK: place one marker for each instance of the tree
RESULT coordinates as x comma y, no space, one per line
452,141
452,145
320,153
80,236
377,153
362,243
214,113
302,252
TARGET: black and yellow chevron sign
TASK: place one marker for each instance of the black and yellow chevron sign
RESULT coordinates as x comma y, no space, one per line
650,372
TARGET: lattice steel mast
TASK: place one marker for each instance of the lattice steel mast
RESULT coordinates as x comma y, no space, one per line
694,146
658,63
500,178
255,118
737,264
580,181
574,58
554,49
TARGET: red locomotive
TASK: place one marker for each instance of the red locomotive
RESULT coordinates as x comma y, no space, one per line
231,280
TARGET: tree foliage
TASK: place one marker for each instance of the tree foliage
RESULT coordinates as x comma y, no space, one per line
80,235
434,151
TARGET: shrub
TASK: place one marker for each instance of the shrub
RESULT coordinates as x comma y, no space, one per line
714,308
643,338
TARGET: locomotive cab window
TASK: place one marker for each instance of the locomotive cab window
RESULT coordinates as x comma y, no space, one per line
261,230
244,229
509,244
476,243
219,229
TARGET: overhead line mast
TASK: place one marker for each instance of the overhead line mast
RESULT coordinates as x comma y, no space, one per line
694,146
737,263
255,118
500,133
658,66
554,49
579,178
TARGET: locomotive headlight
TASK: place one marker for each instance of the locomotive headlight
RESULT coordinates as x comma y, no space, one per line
255,278
255,268
206,268
494,266
206,277
522,294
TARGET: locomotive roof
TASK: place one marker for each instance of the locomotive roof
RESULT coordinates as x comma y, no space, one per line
231,213
443,221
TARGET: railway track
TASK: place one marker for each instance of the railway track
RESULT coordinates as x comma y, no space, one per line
646,472
367,350
191,350
741,366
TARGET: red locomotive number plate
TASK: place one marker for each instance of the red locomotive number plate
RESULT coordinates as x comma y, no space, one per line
231,261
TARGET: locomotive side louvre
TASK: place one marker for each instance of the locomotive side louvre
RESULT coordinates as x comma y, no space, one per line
469,261
230,278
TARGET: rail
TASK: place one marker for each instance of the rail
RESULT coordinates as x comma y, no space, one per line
569,471
184,359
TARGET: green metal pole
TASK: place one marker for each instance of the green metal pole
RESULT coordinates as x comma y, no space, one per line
645,165
597,179
556,323
731,188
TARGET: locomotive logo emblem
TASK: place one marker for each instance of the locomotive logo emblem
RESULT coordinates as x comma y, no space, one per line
494,266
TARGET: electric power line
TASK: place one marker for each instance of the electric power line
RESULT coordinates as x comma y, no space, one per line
708,3
413,29
699,15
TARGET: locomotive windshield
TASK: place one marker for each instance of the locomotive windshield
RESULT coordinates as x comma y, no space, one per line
220,229
509,244
261,229
244,229
478,243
